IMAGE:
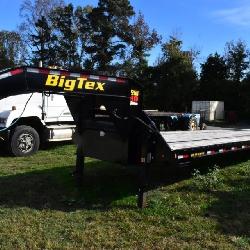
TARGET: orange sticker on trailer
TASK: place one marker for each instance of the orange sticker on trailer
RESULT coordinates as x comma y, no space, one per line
134,97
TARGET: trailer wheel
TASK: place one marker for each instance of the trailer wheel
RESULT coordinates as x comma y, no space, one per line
192,126
203,126
24,141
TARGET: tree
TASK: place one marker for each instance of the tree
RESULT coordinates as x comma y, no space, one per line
85,36
32,14
109,22
213,78
141,41
177,79
245,97
215,83
43,43
11,49
63,21
237,58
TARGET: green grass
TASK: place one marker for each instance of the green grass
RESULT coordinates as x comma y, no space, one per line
40,207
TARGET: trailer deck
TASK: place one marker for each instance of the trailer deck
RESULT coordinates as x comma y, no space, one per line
187,144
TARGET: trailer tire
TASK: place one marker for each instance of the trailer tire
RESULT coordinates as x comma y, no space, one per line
203,126
24,141
192,125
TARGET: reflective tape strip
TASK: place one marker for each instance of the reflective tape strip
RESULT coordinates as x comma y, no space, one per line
44,71
11,73
103,78
211,152
119,80
111,79
183,157
32,70
5,75
85,76
55,72
94,77
76,75
63,73
16,72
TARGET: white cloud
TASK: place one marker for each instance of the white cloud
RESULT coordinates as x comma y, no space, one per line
238,16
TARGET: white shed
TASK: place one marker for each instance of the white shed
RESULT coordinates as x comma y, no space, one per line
214,110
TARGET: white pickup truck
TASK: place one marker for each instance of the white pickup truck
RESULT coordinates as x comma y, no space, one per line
26,120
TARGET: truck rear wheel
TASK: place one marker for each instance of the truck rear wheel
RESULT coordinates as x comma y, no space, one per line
192,126
24,141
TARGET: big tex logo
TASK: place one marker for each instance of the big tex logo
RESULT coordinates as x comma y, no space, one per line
70,85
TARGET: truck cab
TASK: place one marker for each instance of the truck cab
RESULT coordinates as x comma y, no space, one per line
27,120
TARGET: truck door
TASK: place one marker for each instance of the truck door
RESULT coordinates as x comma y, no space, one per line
56,109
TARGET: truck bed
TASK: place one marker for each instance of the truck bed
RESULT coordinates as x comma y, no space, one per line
193,144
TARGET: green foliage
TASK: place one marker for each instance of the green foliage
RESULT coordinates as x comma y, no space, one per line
210,181
141,41
11,49
63,22
237,58
224,78
176,77
213,78
112,39
43,43
108,24
41,208
36,31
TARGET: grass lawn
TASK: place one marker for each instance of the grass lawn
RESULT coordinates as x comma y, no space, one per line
40,207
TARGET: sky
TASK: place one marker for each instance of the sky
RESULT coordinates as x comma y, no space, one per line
204,25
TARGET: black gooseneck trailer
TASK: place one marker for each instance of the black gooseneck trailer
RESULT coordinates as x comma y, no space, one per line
111,125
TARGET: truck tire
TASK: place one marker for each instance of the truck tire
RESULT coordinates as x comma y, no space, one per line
24,141
192,125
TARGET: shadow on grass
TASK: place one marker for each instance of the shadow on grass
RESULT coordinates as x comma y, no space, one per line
3,150
232,209
55,189
54,144
232,206
105,185
43,147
